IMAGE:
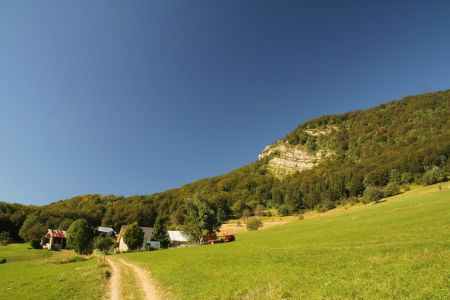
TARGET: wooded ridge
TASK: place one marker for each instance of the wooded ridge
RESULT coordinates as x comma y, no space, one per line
360,156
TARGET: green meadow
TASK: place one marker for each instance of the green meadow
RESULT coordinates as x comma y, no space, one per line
396,249
41,274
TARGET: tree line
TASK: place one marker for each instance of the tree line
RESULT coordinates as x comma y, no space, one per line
374,153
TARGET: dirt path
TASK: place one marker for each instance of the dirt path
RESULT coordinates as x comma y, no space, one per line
114,281
125,274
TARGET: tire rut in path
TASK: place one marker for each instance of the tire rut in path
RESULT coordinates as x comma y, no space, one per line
146,283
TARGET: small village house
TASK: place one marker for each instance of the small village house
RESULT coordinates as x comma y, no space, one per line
122,247
54,239
104,231
177,238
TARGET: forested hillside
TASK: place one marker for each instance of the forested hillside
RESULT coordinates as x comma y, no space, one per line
371,154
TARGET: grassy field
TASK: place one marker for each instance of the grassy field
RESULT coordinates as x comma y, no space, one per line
39,274
393,250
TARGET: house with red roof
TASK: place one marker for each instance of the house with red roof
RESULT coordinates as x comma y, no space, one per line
54,239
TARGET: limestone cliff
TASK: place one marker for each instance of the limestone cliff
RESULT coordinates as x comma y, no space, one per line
287,159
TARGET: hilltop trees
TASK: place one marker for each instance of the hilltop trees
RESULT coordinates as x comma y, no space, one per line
134,236
80,236
370,153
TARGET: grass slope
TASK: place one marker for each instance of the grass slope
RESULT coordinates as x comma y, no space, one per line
396,249
33,274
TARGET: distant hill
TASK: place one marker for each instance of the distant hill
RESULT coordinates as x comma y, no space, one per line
359,156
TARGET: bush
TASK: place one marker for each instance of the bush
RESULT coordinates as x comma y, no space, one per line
103,244
254,224
5,239
434,175
372,194
80,236
391,189
35,244
325,206
134,236
283,210
2,260
72,259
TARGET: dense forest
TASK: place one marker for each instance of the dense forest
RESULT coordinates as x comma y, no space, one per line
374,153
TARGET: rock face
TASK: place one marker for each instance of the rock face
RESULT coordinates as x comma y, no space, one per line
287,159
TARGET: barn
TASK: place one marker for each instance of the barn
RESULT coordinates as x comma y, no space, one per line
54,239
104,231
123,246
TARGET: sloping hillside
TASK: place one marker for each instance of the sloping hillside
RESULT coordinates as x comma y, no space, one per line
360,156
397,249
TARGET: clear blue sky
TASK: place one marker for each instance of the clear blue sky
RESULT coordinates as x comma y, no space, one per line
135,97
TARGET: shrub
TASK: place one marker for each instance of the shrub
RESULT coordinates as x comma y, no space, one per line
2,260
434,175
254,224
134,236
391,189
326,205
103,244
372,193
5,239
80,236
283,210
72,259
35,244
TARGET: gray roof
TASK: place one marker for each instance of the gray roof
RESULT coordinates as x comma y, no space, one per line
104,229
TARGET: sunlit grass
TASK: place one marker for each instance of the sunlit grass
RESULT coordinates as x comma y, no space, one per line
33,274
393,250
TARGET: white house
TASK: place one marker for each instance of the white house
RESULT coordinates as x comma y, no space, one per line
147,238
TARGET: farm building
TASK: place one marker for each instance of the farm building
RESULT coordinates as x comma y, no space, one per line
104,231
54,239
147,239
177,238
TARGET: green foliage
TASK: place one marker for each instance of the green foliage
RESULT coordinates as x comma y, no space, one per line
80,236
394,143
373,194
134,236
32,228
103,244
434,175
35,244
199,219
254,224
371,252
3,260
391,189
160,231
5,239
68,260
283,210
